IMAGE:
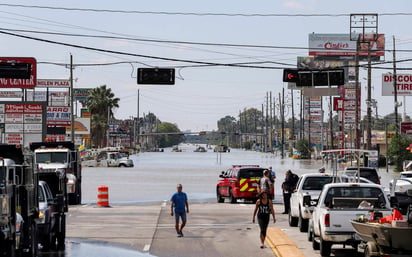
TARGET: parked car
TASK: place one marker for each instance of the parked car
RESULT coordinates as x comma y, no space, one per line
309,184
239,182
399,188
46,222
337,205
364,172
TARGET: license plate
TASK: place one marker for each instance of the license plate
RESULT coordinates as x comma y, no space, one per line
254,184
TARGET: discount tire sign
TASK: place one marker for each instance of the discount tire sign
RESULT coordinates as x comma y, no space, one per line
403,84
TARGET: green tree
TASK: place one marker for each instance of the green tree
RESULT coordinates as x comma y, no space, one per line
168,140
226,124
397,150
101,103
303,147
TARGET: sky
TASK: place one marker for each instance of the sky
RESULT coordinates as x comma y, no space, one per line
267,34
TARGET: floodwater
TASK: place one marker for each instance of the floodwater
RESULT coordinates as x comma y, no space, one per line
154,178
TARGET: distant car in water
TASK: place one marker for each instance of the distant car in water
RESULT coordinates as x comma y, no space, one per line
200,149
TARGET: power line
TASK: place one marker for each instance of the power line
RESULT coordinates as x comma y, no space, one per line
196,63
139,55
194,13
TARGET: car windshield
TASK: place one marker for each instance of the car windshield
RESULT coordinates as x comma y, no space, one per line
51,157
316,183
250,173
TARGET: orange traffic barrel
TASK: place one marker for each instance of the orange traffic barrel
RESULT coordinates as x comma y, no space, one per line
103,196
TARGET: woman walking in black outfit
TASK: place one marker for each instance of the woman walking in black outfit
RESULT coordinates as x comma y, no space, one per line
263,208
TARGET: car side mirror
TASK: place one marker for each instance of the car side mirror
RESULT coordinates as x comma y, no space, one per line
307,201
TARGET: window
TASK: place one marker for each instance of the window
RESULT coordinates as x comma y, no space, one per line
250,173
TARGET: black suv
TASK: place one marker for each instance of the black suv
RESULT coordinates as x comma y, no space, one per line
365,172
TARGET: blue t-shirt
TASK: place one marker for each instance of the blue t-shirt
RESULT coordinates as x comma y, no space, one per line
179,201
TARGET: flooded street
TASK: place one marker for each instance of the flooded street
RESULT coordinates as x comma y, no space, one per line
154,177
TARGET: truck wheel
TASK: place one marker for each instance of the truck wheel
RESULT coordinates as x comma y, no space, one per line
219,198
61,236
315,244
293,221
303,224
310,232
231,197
325,247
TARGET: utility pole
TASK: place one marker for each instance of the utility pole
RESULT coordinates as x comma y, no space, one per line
293,119
369,103
283,123
71,100
138,118
271,123
364,29
395,88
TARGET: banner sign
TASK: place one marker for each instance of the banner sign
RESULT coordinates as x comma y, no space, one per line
11,94
403,84
58,115
59,83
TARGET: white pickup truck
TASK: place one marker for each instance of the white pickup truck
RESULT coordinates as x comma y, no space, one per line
338,204
309,185
399,188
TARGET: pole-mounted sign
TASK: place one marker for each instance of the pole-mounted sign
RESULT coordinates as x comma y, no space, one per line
18,72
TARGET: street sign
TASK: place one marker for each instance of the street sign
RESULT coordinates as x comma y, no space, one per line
406,128
17,72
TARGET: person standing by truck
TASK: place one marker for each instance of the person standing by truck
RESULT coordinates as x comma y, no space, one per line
180,206
287,188
265,184
263,208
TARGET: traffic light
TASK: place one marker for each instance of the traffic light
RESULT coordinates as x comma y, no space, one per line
290,75
318,77
156,76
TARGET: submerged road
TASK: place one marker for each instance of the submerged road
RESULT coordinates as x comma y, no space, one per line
139,221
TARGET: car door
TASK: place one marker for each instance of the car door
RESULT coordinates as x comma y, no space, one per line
224,183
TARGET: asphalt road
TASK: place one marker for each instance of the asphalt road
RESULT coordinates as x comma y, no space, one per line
213,230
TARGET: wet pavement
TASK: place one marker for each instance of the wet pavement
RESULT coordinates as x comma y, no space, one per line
154,179
98,249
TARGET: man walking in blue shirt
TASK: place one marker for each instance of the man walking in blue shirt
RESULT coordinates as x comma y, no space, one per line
180,206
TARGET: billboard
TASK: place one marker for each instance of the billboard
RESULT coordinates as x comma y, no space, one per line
22,123
341,45
403,84
12,77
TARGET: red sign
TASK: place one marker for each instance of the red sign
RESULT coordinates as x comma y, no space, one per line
18,82
406,128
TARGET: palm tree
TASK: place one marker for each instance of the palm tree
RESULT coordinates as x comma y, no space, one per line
101,103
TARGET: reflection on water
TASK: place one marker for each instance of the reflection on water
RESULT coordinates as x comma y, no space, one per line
80,249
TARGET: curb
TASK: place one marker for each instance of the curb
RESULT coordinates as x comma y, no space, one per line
281,244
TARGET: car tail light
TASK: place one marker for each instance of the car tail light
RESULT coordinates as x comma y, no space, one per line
327,220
